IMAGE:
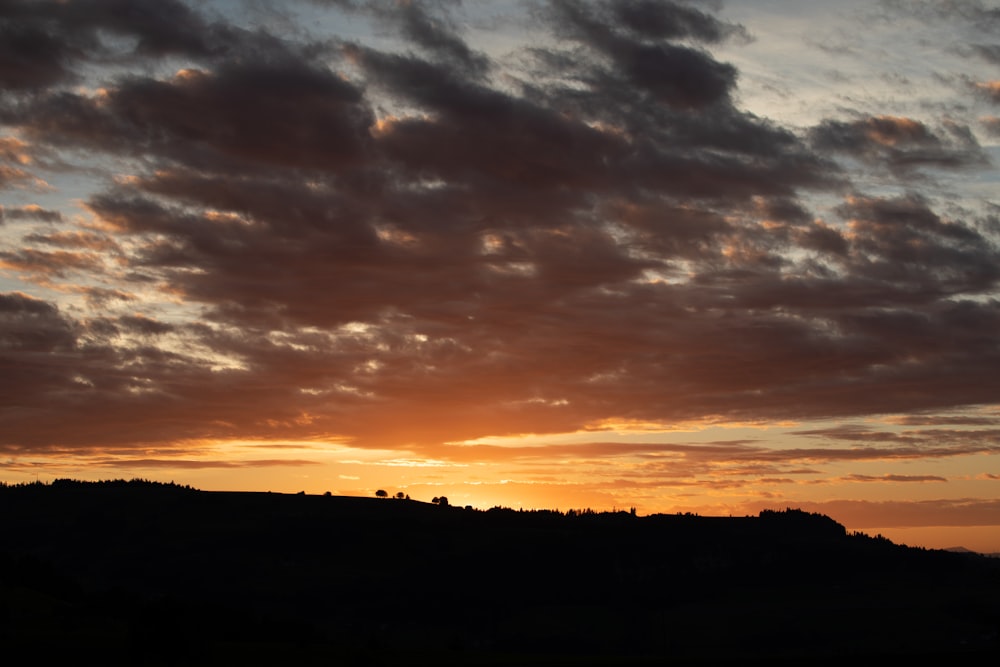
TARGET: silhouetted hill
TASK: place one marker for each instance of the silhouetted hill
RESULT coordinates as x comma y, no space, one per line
146,573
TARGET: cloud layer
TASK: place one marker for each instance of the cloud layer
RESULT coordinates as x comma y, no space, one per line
315,236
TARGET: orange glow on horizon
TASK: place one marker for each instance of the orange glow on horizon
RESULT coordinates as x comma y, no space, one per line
537,476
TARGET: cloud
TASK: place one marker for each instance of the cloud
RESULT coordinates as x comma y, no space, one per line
978,22
670,20
30,212
898,235
15,155
14,150
435,34
895,478
992,124
901,144
989,90
975,12
47,265
31,325
335,231
182,464
237,117
47,42
676,75
945,420
691,461
959,440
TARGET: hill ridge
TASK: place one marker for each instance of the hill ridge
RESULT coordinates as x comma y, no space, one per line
343,576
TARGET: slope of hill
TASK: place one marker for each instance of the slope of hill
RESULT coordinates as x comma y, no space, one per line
145,573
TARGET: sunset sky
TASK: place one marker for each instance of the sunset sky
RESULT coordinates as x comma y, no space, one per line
679,256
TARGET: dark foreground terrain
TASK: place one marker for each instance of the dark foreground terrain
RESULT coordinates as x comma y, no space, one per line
150,574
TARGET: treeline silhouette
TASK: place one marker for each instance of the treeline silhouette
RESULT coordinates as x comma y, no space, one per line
141,572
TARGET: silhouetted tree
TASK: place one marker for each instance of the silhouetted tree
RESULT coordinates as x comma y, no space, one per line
400,495
381,493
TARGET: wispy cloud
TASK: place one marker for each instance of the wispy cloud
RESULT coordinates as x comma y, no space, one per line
894,478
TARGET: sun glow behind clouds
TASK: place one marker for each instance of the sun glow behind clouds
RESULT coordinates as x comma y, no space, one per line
715,470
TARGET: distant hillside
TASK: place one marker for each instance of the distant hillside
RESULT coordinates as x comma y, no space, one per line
963,550
146,573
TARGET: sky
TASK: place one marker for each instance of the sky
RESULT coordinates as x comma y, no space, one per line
710,257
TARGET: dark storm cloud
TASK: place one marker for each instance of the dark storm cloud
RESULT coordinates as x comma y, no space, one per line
676,75
144,325
282,114
670,20
823,239
32,325
428,25
435,34
45,42
478,250
905,243
250,274
901,144
685,136
60,371
485,137
287,114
